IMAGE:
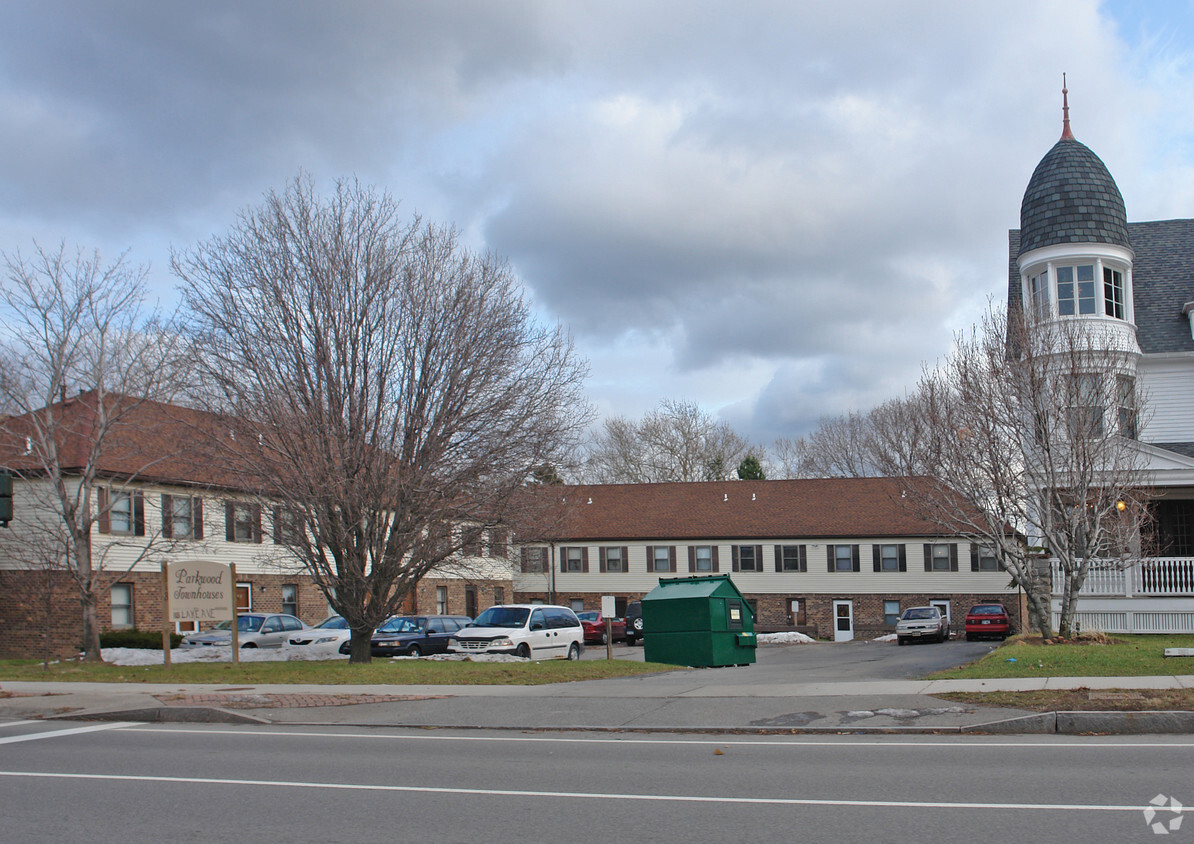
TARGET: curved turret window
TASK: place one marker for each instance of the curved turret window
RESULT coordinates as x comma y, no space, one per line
1072,289
1113,293
1076,287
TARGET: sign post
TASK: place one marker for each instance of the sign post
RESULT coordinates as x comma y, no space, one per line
165,616
609,606
235,630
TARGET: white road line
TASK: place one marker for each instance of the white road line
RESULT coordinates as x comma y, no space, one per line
115,725
588,795
678,742
18,723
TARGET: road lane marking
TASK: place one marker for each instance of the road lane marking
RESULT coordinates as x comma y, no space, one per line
115,725
679,742
585,795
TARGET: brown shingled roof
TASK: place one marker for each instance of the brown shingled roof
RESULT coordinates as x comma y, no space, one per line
812,508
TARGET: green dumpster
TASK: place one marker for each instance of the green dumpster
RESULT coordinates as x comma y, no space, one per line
698,621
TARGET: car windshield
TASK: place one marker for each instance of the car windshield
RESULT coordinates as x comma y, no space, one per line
589,616
249,623
503,617
336,622
223,625
399,625
992,610
920,612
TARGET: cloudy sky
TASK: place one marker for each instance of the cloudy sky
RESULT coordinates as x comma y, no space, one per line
779,210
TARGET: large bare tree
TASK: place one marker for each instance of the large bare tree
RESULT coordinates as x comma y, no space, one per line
676,442
79,355
391,386
1033,426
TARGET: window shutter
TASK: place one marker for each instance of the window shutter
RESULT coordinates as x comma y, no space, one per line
563,560
650,558
692,558
831,554
625,559
803,556
256,511
734,557
671,558
928,557
903,557
779,558
197,517
855,558
953,556
101,506
523,552
758,558
584,559
277,519
138,504
229,524
713,553
167,516
876,556
973,557
601,559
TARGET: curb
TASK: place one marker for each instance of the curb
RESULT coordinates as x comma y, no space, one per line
171,714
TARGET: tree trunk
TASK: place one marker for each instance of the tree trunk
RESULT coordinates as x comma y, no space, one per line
91,628
359,651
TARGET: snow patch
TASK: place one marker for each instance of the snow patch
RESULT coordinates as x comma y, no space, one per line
791,638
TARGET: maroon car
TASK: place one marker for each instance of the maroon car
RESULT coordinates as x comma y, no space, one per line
988,620
594,624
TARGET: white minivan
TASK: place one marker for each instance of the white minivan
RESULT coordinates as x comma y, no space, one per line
531,631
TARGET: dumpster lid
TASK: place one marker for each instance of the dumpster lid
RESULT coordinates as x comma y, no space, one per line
718,585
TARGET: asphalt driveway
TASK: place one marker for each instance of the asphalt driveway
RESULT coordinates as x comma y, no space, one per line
833,662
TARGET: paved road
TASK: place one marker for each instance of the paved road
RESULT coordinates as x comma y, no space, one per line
148,783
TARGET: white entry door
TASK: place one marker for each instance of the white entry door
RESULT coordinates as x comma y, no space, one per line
944,607
843,621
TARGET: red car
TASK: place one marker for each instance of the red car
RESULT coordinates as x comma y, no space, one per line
594,624
987,620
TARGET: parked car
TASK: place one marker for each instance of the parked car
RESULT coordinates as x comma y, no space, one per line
531,631
332,631
414,635
634,622
921,623
594,623
988,620
254,630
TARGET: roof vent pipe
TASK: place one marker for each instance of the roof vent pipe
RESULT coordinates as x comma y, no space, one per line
1188,310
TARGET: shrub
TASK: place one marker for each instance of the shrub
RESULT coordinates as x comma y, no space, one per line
150,640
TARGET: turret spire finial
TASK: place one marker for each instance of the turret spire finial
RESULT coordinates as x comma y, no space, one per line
1065,111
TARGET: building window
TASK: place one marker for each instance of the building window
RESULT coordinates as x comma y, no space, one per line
288,527
1086,407
612,559
182,517
702,559
577,604
1075,285
843,558
661,558
940,557
497,542
988,560
122,605
1038,288
470,541
290,598
891,613
1125,400
441,600
791,558
534,559
1113,293
499,596
889,557
574,560
121,513
748,558
242,521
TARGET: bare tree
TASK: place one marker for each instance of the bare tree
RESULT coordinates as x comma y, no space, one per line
389,385
676,442
840,447
76,324
1031,425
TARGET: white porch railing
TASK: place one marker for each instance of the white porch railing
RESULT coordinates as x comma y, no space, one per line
1162,577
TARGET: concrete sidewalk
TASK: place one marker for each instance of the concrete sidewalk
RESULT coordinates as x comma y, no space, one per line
675,701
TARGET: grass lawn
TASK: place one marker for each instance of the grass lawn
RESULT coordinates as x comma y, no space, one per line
1101,656
337,672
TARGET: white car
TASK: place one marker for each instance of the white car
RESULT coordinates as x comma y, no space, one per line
332,631
921,623
253,630
531,631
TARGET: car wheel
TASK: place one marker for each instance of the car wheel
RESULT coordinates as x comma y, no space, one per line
574,652
248,645
900,641
969,637
414,650
601,641
523,651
